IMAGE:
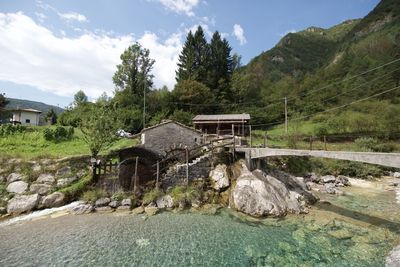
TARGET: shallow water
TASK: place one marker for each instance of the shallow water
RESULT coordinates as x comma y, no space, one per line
358,229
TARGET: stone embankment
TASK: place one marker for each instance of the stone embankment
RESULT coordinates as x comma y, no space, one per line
32,185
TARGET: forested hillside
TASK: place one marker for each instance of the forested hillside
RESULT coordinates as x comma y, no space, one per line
326,69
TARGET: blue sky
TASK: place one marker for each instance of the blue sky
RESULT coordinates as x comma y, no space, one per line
51,49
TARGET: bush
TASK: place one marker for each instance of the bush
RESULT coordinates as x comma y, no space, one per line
9,129
74,190
152,196
92,195
60,133
369,144
185,194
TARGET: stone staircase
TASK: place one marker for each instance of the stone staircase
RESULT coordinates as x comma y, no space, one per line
199,168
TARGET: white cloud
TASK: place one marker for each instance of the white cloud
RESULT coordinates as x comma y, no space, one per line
286,32
31,54
72,16
238,32
181,6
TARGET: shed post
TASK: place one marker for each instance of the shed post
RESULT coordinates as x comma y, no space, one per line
135,180
325,142
251,140
265,140
233,145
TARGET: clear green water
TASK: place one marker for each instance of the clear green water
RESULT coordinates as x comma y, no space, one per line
355,230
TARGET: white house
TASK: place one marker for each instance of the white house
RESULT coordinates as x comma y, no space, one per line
26,116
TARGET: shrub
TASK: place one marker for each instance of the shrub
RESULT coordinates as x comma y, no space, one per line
119,196
185,194
366,143
93,195
60,133
75,189
9,129
152,196
48,134
321,130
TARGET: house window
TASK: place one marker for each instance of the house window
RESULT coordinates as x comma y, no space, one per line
27,121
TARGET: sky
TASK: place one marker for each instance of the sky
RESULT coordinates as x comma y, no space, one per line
50,49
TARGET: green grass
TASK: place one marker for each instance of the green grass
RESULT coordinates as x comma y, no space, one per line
31,145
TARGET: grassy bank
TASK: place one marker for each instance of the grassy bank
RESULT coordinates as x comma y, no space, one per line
31,144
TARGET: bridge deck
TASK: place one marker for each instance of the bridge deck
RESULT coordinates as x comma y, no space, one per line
384,159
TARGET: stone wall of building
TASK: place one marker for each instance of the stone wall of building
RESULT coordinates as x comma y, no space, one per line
164,138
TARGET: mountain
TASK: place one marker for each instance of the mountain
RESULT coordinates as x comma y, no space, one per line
319,69
21,103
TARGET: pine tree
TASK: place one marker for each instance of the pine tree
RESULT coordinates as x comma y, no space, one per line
221,67
193,60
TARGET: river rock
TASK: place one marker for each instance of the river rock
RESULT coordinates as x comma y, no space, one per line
64,171
41,189
396,175
83,209
46,178
341,179
13,177
328,179
56,199
126,202
101,202
165,202
20,204
259,194
66,181
104,209
393,259
138,210
151,210
219,177
18,187
123,208
331,189
114,204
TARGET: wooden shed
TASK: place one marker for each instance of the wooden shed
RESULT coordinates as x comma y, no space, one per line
222,124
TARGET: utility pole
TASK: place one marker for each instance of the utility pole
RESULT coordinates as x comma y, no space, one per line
286,120
144,102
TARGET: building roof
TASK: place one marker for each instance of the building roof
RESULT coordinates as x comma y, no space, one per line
27,110
222,117
164,123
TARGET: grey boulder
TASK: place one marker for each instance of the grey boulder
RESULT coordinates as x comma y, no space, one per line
41,189
64,171
83,209
20,204
15,177
219,177
165,202
101,202
126,202
328,179
45,178
18,187
66,181
56,199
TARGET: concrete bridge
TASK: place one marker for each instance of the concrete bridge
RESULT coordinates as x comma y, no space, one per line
384,159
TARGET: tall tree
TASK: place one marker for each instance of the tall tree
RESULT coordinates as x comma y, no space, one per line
51,116
80,98
220,67
3,101
193,60
133,74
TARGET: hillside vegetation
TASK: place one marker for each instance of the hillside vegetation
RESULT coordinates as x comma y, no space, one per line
323,71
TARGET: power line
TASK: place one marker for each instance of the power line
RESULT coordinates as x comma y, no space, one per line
330,109
278,100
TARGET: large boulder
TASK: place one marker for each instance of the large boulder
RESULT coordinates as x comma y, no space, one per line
83,209
64,171
259,194
328,179
41,189
101,202
66,181
46,178
56,199
18,187
219,177
165,202
396,175
13,177
126,202
24,203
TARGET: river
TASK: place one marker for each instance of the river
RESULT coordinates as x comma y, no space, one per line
357,229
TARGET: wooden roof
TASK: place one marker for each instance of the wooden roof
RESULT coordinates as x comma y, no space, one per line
222,117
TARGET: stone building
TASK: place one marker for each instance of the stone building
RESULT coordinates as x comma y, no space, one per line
168,136
26,116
